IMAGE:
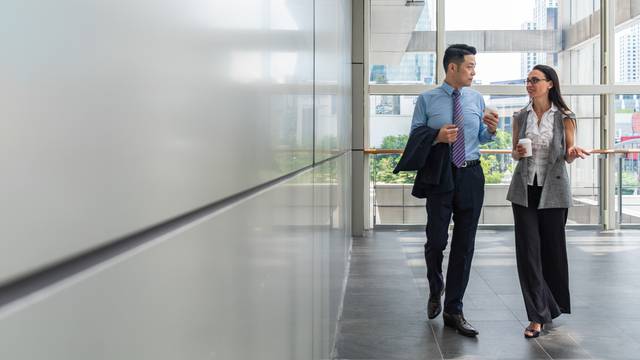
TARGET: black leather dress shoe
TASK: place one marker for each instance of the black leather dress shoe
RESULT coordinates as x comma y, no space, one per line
458,322
434,307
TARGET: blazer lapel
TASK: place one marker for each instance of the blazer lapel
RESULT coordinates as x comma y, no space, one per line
522,121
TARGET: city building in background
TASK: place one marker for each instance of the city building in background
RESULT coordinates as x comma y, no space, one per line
628,51
559,33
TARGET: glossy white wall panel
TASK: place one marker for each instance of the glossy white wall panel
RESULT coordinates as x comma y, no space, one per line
333,77
240,284
333,185
116,116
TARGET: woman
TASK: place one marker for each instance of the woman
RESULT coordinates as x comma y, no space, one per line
540,195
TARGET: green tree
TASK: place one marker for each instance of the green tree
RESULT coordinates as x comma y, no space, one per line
502,141
383,165
394,142
494,166
629,182
489,164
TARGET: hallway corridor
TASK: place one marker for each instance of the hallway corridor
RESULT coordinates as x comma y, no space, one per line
384,314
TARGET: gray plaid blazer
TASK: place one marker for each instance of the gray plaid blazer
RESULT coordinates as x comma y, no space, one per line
556,191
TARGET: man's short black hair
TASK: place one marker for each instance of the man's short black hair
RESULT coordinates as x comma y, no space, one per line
455,54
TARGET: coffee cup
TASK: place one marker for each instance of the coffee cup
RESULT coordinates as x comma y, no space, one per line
491,110
527,145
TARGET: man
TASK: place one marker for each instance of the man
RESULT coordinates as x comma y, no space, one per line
447,129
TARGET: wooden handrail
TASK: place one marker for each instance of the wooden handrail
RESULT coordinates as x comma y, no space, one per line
507,151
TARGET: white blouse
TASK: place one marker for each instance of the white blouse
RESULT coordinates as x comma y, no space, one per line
541,135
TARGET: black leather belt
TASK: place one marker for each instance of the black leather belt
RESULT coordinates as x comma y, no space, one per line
470,163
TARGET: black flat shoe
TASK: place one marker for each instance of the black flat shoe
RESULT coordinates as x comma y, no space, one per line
458,322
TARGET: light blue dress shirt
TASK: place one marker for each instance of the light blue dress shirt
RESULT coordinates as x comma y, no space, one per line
435,109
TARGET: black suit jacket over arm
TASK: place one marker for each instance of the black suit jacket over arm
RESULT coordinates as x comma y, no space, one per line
433,162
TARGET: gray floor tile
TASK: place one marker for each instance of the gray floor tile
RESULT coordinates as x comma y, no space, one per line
384,314
484,314
566,324
398,289
609,347
392,327
497,340
387,299
562,346
395,346
488,301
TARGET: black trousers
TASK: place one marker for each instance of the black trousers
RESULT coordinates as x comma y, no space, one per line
465,203
541,254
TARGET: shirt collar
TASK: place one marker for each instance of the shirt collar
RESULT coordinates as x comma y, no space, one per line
552,109
448,88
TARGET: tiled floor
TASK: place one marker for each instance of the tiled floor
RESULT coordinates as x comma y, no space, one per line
384,315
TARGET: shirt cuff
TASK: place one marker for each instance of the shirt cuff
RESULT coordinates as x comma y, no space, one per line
491,136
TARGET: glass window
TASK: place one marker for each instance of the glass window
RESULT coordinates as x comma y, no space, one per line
583,173
582,9
395,27
391,200
627,136
523,34
627,56
390,115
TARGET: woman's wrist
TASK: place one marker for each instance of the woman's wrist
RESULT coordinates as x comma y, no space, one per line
569,158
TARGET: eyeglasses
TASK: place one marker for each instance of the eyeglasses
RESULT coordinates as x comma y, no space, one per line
535,80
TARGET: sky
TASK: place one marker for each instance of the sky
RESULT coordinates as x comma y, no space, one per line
490,15
487,14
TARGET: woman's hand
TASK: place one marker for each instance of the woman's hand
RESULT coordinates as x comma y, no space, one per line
575,152
519,152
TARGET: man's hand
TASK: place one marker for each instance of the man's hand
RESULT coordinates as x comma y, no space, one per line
490,119
447,134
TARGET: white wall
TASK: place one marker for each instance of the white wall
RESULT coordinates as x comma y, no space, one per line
118,118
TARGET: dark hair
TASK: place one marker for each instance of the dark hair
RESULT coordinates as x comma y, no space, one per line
554,93
455,54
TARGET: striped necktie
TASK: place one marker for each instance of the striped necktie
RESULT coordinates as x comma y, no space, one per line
458,120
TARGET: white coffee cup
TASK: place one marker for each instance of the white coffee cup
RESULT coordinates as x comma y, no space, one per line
491,110
527,145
